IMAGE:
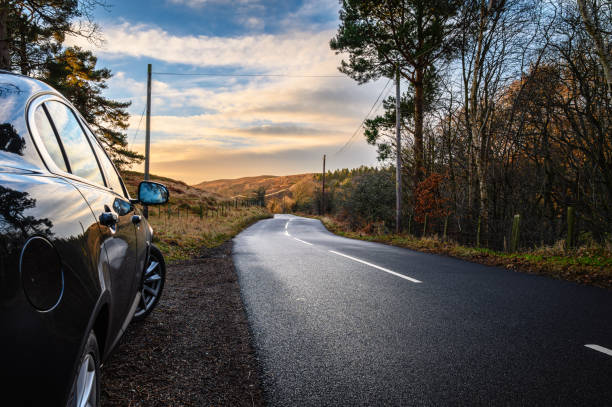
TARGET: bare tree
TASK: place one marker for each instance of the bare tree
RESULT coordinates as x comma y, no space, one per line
592,13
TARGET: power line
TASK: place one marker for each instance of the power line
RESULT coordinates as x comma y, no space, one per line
363,121
382,101
137,128
248,75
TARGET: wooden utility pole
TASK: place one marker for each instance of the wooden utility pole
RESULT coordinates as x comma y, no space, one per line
148,135
323,190
398,167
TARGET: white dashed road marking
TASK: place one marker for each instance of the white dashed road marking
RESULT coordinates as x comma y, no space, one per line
377,267
600,349
300,240
414,280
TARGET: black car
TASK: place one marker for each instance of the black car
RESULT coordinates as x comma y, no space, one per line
76,259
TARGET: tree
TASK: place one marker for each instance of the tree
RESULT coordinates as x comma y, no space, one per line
369,198
31,36
597,19
490,44
409,35
73,72
431,203
31,30
260,196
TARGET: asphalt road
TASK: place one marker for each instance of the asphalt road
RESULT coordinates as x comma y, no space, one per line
330,329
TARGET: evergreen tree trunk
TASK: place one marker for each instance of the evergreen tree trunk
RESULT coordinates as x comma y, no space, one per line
23,50
5,60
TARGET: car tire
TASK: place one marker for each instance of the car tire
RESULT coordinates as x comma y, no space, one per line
86,384
153,284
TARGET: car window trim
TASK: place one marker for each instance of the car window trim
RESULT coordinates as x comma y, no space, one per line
84,124
72,110
56,133
51,166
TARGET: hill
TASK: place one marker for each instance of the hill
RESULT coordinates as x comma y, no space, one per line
180,192
244,187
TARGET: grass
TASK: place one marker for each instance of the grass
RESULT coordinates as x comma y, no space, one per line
588,265
183,237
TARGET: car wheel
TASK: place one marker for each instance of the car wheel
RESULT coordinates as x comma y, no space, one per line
153,285
86,386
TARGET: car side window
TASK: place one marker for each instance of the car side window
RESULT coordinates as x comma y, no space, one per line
114,182
80,156
47,135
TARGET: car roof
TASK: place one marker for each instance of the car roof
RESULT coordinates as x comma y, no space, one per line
27,86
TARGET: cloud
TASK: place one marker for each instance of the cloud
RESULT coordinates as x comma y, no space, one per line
253,23
288,53
203,163
281,129
313,14
290,110
258,124
202,3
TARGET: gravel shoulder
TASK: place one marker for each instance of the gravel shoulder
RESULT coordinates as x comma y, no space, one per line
194,349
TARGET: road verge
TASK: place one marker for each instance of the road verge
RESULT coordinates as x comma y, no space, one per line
592,266
195,347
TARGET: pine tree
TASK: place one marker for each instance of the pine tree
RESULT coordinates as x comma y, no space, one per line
409,35
30,30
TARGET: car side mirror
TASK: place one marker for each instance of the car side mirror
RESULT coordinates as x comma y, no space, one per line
152,193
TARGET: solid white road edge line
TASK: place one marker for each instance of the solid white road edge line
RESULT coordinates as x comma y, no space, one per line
600,349
377,267
300,240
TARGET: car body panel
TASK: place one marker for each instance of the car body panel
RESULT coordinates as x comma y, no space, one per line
102,269
38,205
120,244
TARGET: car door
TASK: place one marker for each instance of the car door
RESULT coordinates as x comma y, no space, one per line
113,210
115,183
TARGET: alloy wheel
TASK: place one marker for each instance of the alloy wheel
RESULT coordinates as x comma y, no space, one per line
86,383
151,287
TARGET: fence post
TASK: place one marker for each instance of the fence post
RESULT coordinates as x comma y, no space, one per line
515,233
569,243
425,226
478,232
409,224
445,227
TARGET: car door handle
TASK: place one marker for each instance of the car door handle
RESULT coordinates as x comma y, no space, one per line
109,219
136,219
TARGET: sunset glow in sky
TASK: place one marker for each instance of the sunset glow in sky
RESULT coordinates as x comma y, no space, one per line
208,127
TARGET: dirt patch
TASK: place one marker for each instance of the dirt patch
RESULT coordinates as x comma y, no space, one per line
194,349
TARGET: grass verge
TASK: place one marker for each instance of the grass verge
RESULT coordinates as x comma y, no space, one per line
182,238
586,265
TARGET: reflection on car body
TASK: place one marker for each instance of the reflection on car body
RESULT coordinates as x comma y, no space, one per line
76,254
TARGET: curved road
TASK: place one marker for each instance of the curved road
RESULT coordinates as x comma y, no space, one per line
337,321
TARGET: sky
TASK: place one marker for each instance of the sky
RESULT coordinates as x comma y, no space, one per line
230,126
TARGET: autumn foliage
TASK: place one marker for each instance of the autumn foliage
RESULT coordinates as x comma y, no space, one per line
430,201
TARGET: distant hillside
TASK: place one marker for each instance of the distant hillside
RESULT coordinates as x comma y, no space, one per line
243,187
180,192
